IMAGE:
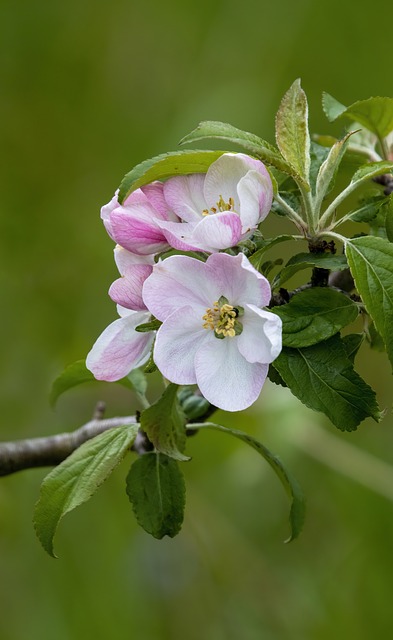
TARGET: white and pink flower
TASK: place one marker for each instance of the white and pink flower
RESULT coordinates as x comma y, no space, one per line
214,333
220,208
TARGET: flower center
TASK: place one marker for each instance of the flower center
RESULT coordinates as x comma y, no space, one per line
222,318
221,206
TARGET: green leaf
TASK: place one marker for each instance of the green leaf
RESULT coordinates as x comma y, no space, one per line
292,134
368,210
165,166
76,479
352,343
149,326
156,489
328,170
318,155
306,260
164,423
290,484
253,144
257,257
323,378
313,315
72,376
138,381
389,218
370,170
375,114
371,263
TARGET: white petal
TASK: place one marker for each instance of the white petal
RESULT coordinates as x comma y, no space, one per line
261,339
176,344
218,231
127,290
237,280
120,348
184,195
180,235
256,196
125,259
225,378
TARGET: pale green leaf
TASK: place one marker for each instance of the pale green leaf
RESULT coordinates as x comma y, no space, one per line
290,484
77,478
156,489
375,114
165,166
328,170
371,263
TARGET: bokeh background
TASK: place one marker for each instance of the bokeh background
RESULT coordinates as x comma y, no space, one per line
88,90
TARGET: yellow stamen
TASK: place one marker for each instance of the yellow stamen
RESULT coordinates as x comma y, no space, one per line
221,320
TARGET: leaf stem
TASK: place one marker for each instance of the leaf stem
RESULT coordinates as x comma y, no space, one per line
291,213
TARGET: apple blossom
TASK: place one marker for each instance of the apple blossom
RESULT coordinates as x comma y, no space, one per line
219,208
214,333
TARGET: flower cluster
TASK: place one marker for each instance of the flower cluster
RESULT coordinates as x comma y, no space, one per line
214,332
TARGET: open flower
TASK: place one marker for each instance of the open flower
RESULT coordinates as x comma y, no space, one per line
219,208
135,224
120,348
214,333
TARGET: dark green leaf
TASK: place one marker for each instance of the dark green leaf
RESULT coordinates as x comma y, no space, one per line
76,479
292,134
352,343
389,218
290,484
253,144
149,326
306,260
156,489
323,378
164,422
257,257
313,315
375,114
73,375
371,263
368,210
275,377
165,166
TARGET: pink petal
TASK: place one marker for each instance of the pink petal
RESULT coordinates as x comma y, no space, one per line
256,196
155,195
218,231
176,282
184,195
237,280
120,348
125,259
127,290
261,338
176,344
179,235
134,228
225,378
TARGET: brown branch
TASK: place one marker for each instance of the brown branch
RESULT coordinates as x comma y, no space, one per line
50,451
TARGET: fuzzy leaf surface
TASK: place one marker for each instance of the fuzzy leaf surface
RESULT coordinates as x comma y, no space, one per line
164,423
323,378
165,166
314,315
77,478
371,263
156,490
375,114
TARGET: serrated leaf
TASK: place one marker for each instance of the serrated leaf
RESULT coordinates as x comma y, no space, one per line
323,378
164,423
352,343
156,490
290,484
371,263
165,166
314,315
375,114
77,478
292,135
328,170
302,261
74,375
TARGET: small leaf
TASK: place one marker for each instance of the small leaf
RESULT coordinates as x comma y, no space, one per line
156,490
329,168
149,326
257,257
292,134
371,263
375,114
164,423
290,484
138,381
76,479
370,170
253,144
368,210
352,343
323,378
72,376
165,166
306,260
314,315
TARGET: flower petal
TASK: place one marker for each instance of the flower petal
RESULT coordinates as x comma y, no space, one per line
176,282
125,259
218,231
225,378
261,339
184,195
155,195
256,196
176,344
127,290
120,348
179,235
237,280
134,228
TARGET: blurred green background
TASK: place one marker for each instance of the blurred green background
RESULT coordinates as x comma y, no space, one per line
88,89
